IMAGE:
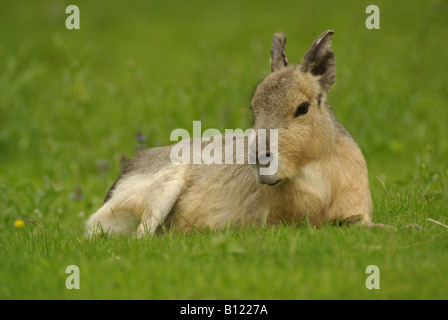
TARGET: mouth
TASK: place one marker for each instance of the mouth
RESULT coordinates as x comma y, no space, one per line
269,180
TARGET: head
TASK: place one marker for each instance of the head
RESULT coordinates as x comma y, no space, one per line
292,100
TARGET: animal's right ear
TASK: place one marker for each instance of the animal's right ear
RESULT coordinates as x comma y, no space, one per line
278,57
319,60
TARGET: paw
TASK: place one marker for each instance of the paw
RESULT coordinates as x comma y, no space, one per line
368,224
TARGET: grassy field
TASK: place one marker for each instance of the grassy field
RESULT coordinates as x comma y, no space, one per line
74,104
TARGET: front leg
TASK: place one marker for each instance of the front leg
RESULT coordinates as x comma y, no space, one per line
360,221
351,205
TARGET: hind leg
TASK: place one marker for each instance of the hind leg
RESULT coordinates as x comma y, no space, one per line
140,199
161,199
109,220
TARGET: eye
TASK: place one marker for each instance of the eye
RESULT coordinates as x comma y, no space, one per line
302,109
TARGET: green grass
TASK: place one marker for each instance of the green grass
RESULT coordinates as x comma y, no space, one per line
72,103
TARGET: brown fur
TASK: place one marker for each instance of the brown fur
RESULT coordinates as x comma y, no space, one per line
322,175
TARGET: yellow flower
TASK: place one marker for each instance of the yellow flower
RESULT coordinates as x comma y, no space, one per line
19,223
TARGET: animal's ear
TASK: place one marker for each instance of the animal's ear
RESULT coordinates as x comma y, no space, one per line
319,60
278,57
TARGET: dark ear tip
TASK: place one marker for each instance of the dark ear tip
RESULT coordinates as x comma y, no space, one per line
327,35
279,39
328,32
280,35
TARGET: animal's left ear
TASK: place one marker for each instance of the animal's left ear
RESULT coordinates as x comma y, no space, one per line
319,60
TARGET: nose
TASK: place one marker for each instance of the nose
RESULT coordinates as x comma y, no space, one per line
264,159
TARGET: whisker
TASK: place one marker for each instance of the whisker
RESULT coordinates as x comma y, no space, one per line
292,157
300,156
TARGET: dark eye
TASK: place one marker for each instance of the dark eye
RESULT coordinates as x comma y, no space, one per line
302,109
